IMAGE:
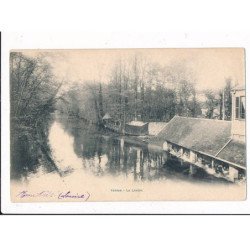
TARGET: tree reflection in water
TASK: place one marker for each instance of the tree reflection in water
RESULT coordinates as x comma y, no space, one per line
104,153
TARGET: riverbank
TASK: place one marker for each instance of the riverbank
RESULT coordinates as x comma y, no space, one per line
29,146
98,163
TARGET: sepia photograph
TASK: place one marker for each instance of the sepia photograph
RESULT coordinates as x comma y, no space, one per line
124,119
127,125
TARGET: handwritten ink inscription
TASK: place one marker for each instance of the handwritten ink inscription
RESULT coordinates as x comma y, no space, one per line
60,195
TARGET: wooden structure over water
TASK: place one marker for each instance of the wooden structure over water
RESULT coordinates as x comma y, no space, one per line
207,144
135,128
138,128
217,146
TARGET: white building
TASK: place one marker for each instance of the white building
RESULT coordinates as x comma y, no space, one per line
238,130
216,145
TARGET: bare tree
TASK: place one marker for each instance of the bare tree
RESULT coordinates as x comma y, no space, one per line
212,102
33,93
32,85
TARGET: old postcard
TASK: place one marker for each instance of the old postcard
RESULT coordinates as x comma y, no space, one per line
127,125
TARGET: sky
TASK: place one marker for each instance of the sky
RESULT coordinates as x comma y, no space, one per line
210,67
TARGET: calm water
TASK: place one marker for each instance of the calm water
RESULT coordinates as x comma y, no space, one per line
79,146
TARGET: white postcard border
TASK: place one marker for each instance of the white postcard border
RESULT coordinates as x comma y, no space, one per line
110,40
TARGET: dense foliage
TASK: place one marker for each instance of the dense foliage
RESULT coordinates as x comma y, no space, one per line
33,91
135,90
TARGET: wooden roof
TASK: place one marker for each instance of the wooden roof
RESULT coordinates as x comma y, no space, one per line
106,116
234,152
136,123
203,135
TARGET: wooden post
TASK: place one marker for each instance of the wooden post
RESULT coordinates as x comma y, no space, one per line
181,151
165,146
192,156
233,173
212,163
165,156
192,169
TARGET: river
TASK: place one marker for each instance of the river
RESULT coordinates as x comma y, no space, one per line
107,164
